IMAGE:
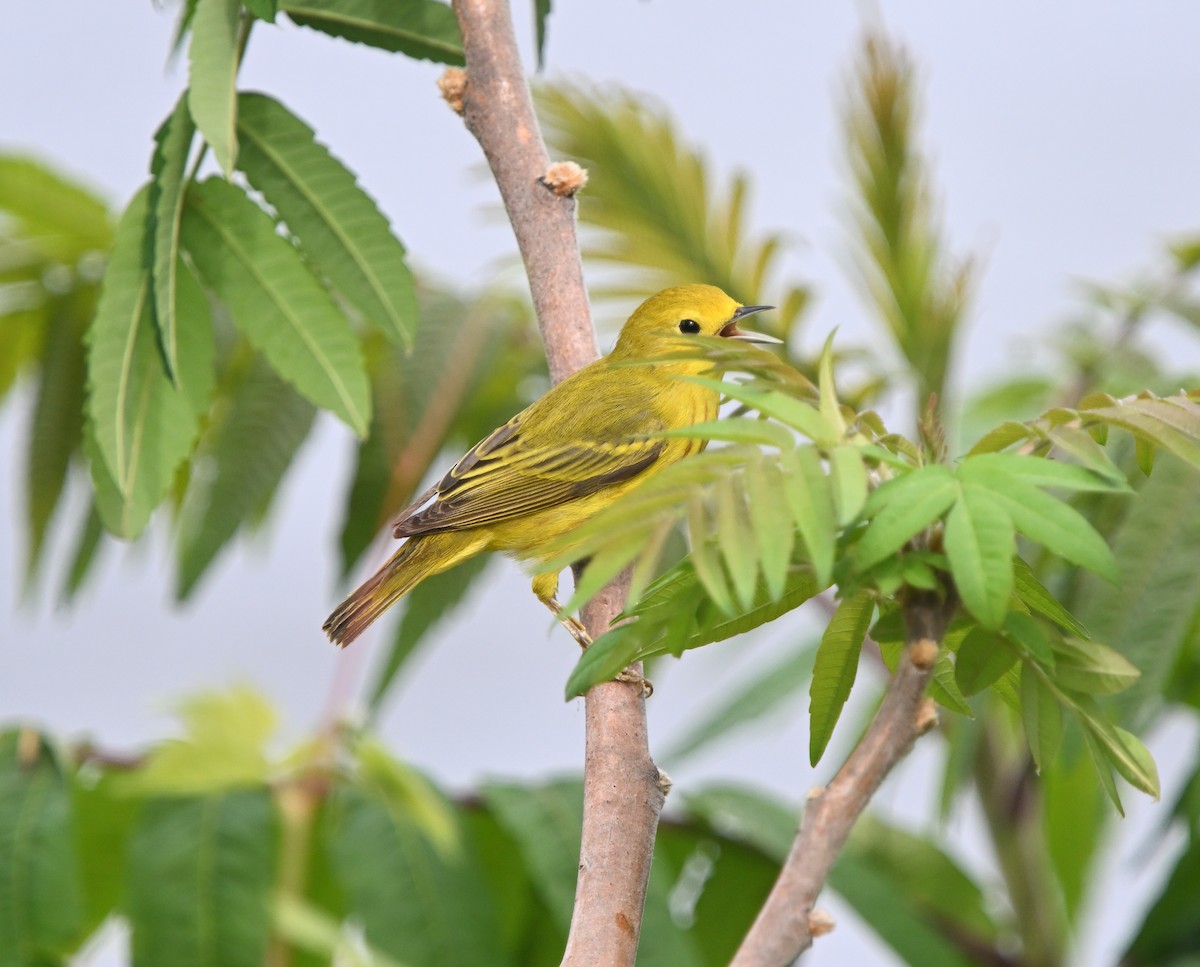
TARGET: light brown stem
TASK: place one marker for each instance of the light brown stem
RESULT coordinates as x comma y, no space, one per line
782,930
623,789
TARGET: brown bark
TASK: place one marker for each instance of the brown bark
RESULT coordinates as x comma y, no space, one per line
623,789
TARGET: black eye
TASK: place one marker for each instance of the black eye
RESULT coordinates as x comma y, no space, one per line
690,326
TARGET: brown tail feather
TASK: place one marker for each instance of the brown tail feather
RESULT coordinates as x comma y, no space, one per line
417,559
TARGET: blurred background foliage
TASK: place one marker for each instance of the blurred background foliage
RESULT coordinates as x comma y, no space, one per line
338,852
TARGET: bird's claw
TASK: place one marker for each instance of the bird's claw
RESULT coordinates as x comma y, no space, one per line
631,677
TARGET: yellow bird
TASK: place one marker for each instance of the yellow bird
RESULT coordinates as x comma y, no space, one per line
571,453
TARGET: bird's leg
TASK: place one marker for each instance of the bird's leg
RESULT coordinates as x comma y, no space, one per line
545,586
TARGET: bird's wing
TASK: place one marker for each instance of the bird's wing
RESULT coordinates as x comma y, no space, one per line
505,476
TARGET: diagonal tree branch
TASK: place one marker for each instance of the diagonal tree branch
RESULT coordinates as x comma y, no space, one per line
623,789
786,925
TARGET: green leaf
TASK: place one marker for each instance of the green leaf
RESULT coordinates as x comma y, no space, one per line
541,14
425,29
1035,597
735,429
943,688
253,437
212,77
1157,422
827,392
307,927
103,820
419,902
429,603
224,747
63,219
811,500
1049,521
979,542
1039,471
1081,445
1031,639
41,901
770,518
1092,668
545,822
275,300
56,423
142,425
737,541
747,702
982,658
748,816
835,669
168,167
1121,749
200,879
901,508
1004,435
263,9
704,557
1042,717
338,225
84,555
848,478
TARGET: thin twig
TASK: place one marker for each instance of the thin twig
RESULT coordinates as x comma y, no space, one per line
623,789
782,931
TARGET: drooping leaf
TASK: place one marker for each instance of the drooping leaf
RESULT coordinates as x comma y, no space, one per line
200,879
766,498
58,215
848,480
338,225
275,300
41,900
142,425
811,499
251,441
425,29
212,77
1122,750
56,423
901,508
84,556
168,166
979,540
1035,597
835,668
1041,716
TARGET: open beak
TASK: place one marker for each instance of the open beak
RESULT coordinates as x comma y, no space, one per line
731,331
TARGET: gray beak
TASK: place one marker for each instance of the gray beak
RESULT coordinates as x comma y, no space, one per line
731,331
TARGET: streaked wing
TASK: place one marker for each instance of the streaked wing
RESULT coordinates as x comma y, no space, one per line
501,478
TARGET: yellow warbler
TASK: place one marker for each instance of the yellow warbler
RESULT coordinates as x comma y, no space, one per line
556,463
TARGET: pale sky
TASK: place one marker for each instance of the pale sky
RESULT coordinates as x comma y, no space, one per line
1066,147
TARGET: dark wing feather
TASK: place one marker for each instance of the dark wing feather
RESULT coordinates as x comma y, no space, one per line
502,478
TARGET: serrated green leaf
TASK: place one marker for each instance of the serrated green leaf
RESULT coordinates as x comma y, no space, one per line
216,854
704,557
848,480
943,688
142,425
770,517
1039,471
168,167
1154,422
41,900
835,669
416,901
212,77
747,702
1081,445
979,542
1053,523
425,29
250,442
811,500
1041,716
275,300
901,508
1035,597
981,659
338,225
1092,668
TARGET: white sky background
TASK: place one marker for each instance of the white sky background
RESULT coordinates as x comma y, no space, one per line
1066,146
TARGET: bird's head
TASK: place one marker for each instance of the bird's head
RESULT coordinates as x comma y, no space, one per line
657,324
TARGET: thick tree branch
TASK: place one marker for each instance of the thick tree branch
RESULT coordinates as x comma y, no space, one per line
783,929
623,789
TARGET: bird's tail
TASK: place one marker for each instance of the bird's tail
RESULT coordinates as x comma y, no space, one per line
417,559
